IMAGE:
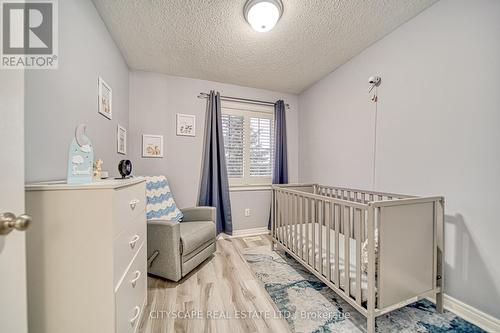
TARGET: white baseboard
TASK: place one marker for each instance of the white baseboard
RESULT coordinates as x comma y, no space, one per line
248,232
471,314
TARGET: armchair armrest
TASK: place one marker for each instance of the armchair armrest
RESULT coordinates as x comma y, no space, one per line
165,237
199,214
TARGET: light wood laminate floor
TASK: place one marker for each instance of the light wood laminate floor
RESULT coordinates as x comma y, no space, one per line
222,295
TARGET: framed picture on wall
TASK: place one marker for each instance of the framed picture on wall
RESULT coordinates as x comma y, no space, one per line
121,140
186,124
152,145
105,98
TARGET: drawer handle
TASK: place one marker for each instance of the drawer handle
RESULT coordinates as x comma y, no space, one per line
134,280
134,240
137,312
134,203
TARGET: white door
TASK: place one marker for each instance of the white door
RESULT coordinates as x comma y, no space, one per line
13,302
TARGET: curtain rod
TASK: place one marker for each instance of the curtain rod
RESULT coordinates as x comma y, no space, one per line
237,99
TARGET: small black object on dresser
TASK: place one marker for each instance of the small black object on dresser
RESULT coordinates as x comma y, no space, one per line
125,168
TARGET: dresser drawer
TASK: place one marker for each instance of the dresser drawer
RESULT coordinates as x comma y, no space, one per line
128,203
131,294
127,244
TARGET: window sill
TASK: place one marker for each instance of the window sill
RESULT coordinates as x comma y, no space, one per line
243,188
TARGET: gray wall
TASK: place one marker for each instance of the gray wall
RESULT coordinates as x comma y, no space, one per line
438,131
58,100
259,204
155,99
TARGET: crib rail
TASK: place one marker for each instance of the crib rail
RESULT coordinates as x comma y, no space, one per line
314,226
355,194
331,231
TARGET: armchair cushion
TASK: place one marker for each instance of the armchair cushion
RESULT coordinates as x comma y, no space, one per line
201,213
194,234
160,202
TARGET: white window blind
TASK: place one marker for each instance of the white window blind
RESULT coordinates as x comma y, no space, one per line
248,132
232,128
261,147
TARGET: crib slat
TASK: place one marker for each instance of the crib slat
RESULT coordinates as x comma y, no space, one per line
308,221
295,221
371,297
285,226
351,216
285,232
357,227
327,209
278,215
338,222
274,211
313,225
284,219
363,226
289,220
301,226
319,214
347,239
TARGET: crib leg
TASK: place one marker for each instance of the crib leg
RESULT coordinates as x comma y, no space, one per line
273,247
439,302
370,324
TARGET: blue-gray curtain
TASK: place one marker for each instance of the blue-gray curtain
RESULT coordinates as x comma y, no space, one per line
214,188
280,168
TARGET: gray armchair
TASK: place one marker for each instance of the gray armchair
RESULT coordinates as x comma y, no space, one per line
176,248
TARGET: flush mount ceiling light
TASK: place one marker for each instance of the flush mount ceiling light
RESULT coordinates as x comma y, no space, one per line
262,15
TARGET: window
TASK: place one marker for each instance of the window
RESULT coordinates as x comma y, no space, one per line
248,132
232,129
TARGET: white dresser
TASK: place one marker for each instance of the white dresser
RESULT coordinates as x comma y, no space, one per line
86,256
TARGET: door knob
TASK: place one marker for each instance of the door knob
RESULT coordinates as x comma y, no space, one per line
9,221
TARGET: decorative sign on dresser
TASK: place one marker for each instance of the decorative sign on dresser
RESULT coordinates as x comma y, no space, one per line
86,256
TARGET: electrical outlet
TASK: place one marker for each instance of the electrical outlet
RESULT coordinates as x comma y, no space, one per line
247,212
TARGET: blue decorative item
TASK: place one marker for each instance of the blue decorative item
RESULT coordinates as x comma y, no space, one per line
80,158
160,202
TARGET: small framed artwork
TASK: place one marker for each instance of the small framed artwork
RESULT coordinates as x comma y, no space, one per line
105,97
152,145
186,124
121,140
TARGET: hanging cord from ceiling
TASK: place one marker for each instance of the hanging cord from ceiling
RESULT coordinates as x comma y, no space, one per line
374,167
374,82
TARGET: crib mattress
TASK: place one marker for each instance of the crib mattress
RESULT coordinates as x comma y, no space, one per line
307,243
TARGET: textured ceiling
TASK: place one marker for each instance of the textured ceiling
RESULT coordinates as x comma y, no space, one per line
211,40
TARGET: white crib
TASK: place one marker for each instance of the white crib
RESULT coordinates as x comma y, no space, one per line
378,251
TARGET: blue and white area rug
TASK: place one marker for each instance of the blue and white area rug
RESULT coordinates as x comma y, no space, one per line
310,306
